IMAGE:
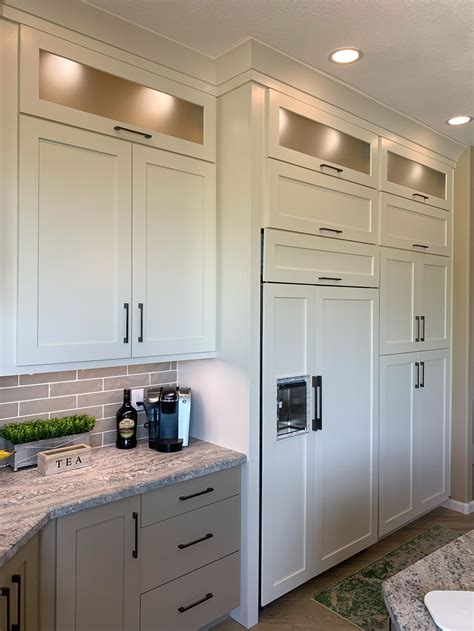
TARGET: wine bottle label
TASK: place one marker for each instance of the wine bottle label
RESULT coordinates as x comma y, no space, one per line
126,427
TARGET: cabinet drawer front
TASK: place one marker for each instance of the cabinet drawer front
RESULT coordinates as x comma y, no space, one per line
195,600
186,496
298,258
302,134
305,201
408,225
75,85
411,174
190,541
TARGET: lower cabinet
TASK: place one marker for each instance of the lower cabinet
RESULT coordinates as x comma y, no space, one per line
414,436
164,560
19,590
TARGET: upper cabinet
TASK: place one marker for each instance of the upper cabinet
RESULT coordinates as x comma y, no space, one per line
301,134
87,218
411,226
174,253
410,174
301,200
68,83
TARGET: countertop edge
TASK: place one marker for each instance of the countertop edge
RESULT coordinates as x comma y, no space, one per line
234,460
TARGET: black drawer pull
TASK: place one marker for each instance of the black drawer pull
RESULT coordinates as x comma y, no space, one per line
16,579
419,245
183,546
140,309
183,498
328,278
417,320
423,326
331,230
5,591
198,602
126,306
135,550
424,197
132,131
329,166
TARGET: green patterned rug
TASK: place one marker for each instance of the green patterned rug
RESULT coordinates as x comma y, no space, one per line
358,598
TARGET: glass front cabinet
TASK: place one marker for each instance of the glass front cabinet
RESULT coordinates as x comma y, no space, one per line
413,175
307,136
71,84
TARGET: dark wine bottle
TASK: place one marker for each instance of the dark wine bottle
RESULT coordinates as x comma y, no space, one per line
126,424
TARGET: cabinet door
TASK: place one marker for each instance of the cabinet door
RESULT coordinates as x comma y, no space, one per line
432,431
72,84
174,254
20,577
287,527
434,290
302,134
302,258
399,304
398,378
304,201
411,226
411,174
346,461
98,576
74,244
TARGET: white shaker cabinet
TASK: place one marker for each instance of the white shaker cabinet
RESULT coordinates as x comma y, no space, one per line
319,488
79,221
74,244
288,545
414,436
346,460
19,603
174,254
414,301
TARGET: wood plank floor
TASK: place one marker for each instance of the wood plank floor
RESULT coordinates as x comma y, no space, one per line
297,612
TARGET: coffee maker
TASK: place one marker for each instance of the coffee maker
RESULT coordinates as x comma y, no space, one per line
168,411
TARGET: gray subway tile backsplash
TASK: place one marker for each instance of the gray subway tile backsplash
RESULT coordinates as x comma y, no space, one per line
95,391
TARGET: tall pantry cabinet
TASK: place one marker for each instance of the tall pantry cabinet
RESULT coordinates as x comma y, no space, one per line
351,223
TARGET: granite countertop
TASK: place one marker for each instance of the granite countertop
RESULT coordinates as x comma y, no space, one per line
29,500
450,567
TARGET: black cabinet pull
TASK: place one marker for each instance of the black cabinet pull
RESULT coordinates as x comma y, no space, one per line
5,592
423,197
422,337
16,580
140,309
329,166
183,498
420,245
331,230
132,131
417,319
126,306
317,384
422,382
135,550
183,546
417,366
328,278
195,604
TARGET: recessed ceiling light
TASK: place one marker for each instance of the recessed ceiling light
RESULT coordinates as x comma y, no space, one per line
345,55
459,120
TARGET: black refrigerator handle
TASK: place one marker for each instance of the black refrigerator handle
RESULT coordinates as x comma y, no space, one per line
317,384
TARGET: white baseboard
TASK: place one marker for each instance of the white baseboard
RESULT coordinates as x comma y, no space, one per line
466,508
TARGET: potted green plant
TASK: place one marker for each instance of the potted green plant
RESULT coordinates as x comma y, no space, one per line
25,440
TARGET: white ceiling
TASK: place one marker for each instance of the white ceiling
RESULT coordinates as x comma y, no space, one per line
418,54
